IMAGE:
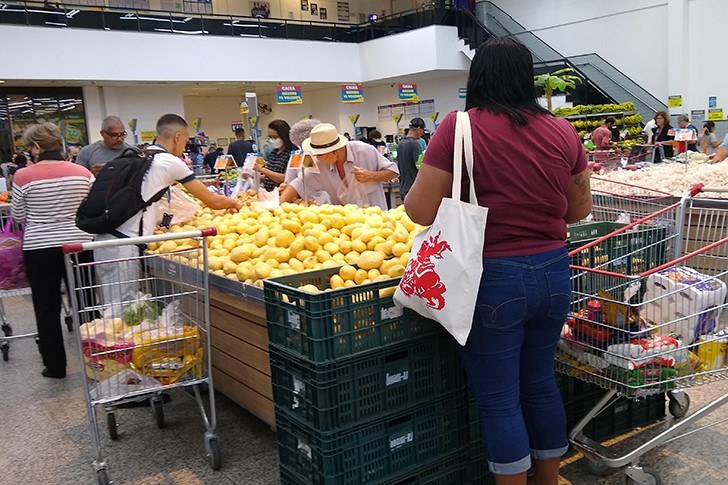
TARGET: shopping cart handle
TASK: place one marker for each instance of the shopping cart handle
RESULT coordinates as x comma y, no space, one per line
208,232
696,189
72,248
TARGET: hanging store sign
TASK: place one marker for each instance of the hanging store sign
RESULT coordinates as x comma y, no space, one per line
712,101
697,115
352,93
674,101
715,114
462,93
408,92
289,95
237,125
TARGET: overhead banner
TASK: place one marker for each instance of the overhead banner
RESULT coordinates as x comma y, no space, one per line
408,92
352,93
674,101
289,95
715,114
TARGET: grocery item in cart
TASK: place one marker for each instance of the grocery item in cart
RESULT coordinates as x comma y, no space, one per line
167,353
637,353
713,352
679,299
12,270
105,350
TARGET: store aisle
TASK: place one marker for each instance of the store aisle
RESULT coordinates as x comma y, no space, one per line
44,435
45,439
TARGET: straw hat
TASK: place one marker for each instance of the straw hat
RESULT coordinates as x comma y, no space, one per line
324,139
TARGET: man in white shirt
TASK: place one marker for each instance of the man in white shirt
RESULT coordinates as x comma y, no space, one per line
118,276
351,172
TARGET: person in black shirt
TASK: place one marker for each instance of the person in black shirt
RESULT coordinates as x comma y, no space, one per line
408,151
240,148
211,157
375,139
663,134
276,163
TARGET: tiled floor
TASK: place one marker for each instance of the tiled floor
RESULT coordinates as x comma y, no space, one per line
44,436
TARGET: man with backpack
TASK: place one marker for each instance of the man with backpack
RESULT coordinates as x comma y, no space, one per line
130,198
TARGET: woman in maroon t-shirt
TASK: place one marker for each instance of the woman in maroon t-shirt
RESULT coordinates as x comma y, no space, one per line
530,170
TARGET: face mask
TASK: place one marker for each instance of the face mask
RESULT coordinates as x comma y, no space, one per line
276,143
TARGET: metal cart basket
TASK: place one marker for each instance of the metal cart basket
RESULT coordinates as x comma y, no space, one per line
648,314
145,328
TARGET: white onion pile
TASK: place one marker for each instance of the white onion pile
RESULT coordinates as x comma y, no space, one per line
673,178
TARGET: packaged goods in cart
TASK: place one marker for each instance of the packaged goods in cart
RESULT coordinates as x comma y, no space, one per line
712,350
167,353
684,301
12,270
659,350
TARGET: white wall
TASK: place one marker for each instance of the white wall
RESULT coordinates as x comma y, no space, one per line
165,57
630,34
146,104
667,46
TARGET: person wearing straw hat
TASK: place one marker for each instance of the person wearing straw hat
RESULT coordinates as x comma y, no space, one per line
341,162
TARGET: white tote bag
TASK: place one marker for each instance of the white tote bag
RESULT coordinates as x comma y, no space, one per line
442,278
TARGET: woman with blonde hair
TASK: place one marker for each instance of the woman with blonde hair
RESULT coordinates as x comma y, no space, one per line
46,196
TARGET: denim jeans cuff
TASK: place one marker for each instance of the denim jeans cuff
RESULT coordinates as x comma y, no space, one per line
513,468
549,454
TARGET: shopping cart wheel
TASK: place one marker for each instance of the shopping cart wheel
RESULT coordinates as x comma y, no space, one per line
643,476
679,404
111,424
5,349
598,469
7,330
214,455
158,411
102,477
69,323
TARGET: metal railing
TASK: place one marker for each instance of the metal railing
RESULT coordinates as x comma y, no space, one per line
44,14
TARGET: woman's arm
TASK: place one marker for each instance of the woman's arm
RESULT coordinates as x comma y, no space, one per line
276,177
579,198
18,207
423,199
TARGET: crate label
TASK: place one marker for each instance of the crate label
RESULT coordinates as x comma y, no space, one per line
294,320
298,388
304,448
392,312
401,438
396,373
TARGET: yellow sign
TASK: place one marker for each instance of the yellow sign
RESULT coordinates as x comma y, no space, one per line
397,118
433,116
148,136
674,101
715,114
196,124
354,119
244,108
253,120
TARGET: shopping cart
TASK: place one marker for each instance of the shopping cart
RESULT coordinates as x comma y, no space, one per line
651,327
5,326
147,330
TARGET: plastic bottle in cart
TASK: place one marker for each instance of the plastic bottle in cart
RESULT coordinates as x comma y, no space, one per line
595,311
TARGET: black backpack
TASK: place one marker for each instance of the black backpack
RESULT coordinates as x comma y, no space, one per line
116,195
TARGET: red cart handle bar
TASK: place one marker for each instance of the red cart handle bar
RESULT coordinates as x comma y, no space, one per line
90,246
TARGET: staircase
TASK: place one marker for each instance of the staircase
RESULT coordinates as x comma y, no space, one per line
606,79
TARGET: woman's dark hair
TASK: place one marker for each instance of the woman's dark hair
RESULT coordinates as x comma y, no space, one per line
284,132
710,126
501,81
665,117
375,134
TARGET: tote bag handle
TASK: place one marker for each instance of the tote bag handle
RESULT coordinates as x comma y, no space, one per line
463,139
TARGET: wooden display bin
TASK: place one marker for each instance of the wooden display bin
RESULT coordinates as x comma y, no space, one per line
241,365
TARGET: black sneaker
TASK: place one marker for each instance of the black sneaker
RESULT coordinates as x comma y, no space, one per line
53,375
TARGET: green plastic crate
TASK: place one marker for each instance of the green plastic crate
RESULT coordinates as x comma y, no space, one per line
630,253
337,324
329,397
377,452
450,470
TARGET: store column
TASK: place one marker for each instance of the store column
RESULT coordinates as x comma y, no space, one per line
678,52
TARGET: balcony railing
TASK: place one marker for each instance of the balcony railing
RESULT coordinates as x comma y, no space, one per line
45,14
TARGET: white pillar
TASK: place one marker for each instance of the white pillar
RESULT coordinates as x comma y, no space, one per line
677,52
95,111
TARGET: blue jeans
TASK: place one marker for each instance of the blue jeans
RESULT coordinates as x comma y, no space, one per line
509,357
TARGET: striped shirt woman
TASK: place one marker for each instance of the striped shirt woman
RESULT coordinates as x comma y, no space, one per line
46,196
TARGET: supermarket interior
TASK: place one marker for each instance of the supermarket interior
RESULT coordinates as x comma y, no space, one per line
233,248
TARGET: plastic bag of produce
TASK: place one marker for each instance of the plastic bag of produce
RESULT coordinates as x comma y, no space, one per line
352,192
267,200
141,309
180,206
12,270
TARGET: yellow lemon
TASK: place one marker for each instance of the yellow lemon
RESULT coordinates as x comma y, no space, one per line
347,272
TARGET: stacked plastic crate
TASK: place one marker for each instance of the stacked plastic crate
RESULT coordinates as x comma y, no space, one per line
365,393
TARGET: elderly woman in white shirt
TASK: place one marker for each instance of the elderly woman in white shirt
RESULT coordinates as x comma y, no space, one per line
351,172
